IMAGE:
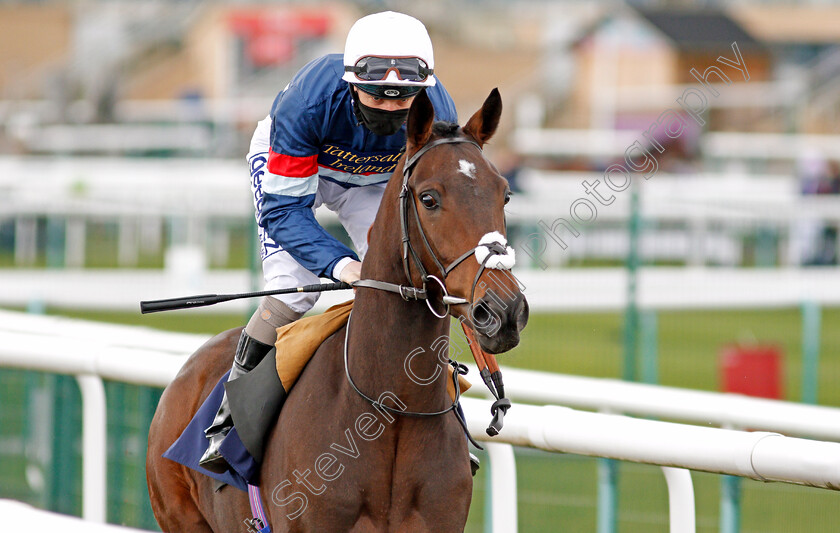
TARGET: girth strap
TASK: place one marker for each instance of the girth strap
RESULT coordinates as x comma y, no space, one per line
259,522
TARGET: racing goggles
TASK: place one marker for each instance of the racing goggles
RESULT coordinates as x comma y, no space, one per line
376,68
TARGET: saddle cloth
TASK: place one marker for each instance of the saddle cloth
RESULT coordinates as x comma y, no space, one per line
255,399
299,340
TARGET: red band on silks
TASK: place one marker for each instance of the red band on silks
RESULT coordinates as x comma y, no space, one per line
291,166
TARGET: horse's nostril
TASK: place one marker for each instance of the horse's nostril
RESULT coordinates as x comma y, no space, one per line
480,312
484,320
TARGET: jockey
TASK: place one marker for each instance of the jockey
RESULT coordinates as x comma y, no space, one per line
333,137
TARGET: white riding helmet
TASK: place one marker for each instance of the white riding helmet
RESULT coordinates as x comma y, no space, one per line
389,35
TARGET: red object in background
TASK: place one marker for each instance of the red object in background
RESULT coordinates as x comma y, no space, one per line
270,49
752,370
271,36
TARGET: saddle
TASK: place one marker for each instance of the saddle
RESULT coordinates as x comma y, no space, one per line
256,398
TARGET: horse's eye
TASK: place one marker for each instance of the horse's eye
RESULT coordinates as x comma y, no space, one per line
508,194
428,201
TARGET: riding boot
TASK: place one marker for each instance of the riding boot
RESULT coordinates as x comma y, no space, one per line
249,352
474,464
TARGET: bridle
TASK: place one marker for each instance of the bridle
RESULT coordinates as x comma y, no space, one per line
410,292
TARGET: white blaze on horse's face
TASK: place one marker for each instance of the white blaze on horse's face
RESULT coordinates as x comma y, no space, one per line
466,168
501,261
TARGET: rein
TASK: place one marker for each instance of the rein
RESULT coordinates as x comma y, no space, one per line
458,368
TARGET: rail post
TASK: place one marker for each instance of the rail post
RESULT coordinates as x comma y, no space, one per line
811,321
502,478
94,448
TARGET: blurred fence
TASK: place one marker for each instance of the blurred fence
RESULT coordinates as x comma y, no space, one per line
718,148
141,356
553,290
694,220
53,211
42,422
41,460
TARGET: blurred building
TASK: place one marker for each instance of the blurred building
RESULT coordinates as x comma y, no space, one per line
156,64
631,64
581,82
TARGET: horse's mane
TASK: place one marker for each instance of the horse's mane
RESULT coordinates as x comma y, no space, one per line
445,129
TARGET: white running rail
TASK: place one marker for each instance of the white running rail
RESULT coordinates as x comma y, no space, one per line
142,356
18,516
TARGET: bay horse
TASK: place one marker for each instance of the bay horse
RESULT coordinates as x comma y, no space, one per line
334,462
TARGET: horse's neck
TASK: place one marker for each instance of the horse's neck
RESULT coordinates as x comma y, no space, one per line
386,334
386,330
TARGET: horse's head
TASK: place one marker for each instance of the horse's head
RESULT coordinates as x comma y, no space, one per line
453,215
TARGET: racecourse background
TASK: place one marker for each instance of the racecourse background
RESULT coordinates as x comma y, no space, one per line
122,134
744,284
552,489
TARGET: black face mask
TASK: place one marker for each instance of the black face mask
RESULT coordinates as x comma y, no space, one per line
379,121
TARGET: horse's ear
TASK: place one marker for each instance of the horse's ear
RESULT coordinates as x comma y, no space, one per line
482,125
421,115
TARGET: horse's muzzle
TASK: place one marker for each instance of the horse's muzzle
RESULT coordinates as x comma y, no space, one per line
497,323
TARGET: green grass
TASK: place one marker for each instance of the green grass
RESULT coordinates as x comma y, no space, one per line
559,492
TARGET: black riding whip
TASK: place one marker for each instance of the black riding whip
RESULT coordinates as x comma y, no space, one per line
170,304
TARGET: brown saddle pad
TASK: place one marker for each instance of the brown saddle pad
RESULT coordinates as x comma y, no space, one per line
298,341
